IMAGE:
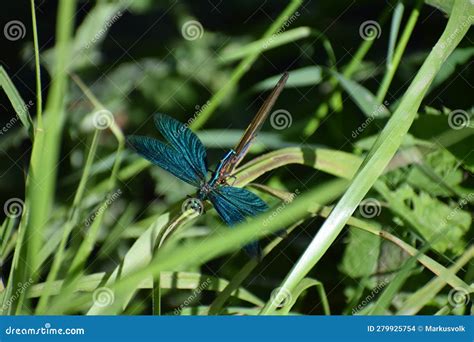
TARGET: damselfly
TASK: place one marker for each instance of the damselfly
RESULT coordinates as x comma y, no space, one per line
184,156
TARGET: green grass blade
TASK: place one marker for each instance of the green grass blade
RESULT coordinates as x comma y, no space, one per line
394,28
393,63
39,93
20,107
265,44
416,301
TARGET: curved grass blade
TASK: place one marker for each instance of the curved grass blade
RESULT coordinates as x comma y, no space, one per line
20,107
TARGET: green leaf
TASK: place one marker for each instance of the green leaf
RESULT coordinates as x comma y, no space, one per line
364,99
442,226
356,264
446,168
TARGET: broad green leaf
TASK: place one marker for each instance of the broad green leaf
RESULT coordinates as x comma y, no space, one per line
356,264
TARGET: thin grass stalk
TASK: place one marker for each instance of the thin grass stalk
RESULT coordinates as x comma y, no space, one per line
39,93
393,64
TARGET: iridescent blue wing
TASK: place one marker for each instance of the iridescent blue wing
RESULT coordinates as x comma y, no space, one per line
166,157
235,204
185,142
